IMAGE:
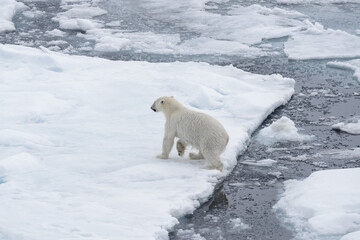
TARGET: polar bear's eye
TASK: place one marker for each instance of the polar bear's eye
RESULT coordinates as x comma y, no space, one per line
162,101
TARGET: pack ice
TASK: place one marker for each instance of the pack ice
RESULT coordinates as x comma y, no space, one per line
78,140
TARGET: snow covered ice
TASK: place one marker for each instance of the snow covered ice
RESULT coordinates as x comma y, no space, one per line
78,141
326,205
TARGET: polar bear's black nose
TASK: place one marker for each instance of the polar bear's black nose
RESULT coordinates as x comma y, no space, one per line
153,109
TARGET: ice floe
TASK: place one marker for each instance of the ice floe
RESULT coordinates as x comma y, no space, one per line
84,128
189,234
56,33
260,163
282,130
8,8
353,65
326,205
238,224
316,42
79,15
352,126
348,154
316,1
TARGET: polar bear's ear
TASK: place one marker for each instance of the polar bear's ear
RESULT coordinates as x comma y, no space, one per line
172,96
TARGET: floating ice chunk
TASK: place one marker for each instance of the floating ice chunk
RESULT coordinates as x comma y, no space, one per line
340,154
349,127
79,15
282,130
113,24
139,41
326,205
58,42
238,224
8,8
78,24
301,158
260,163
83,12
56,33
205,45
54,48
318,43
111,44
276,174
189,234
30,1
353,65
33,13
238,184
319,164
316,1
273,11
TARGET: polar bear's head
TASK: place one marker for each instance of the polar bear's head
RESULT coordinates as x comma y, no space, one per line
165,104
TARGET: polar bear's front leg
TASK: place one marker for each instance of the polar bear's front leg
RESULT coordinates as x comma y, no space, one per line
166,148
168,142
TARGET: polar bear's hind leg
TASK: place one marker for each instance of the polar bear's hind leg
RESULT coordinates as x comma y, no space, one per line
214,159
195,156
181,147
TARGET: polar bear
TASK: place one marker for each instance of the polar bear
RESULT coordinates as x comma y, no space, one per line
196,129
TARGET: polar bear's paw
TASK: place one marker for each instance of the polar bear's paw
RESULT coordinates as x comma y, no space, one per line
220,167
162,156
195,156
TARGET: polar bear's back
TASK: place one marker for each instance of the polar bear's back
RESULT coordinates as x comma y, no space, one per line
200,130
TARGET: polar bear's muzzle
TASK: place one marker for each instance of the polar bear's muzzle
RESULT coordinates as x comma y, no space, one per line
153,108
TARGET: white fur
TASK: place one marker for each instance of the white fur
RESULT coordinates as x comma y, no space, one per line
196,129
